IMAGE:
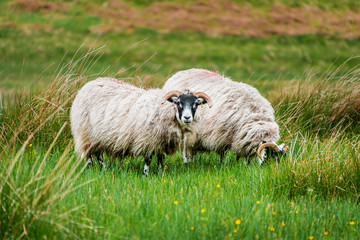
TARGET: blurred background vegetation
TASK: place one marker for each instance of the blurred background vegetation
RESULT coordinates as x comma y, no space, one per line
250,41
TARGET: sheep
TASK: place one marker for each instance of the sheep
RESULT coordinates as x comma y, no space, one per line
241,119
119,119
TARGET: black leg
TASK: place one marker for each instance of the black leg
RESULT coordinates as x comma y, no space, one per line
146,166
221,157
89,161
160,163
100,159
248,159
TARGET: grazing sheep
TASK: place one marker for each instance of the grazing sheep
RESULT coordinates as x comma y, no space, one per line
241,119
120,119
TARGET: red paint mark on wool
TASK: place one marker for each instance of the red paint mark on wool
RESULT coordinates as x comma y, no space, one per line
212,73
118,81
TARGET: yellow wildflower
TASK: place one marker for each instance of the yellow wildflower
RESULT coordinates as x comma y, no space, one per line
30,145
283,224
237,222
311,237
64,207
192,228
326,233
273,213
218,185
272,229
352,223
176,202
296,211
257,202
203,210
235,230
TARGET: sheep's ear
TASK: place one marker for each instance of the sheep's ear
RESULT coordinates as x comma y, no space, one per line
174,100
203,98
200,101
171,96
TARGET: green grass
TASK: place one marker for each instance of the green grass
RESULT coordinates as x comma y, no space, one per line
123,204
161,55
32,43
316,190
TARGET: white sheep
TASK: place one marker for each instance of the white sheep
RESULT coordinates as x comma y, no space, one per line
241,119
120,119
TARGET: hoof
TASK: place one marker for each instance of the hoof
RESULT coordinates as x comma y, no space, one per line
102,165
146,173
89,163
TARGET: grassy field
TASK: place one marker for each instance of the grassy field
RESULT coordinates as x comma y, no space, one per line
47,52
36,37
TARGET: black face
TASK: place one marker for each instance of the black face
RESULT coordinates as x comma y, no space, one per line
272,154
187,105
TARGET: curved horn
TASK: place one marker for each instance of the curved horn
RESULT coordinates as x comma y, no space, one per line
268,144
169,95
285,148
204,96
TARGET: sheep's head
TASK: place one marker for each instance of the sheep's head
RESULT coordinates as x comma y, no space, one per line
187,104
270,150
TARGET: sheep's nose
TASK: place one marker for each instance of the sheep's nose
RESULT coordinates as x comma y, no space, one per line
187,117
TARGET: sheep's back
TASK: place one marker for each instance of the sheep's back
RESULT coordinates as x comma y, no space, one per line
240,115
122,119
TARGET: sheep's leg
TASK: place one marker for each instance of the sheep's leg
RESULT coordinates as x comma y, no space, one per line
184,150
146,167
239,156
160,163
186,155
221,157
183,153
89,161
100,159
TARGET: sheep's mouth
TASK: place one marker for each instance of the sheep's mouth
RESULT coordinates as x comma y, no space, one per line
186,121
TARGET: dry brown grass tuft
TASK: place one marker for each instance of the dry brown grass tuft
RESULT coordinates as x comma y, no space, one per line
213,17
37,6
217,17
326,105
